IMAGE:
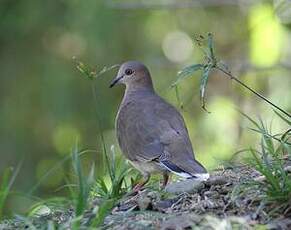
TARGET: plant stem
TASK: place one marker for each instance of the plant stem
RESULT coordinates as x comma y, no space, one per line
101,131
253,91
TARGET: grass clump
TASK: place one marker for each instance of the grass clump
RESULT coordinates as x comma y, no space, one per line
117,171
271,160
90,199
109,191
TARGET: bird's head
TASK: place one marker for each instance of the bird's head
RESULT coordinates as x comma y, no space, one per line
133,74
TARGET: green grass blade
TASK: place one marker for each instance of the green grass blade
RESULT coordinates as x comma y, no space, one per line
56,167
82,185
286,119
102,212
178,97
91,176
8,179
250,119
4,190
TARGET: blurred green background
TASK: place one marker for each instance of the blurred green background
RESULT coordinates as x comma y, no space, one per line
46,104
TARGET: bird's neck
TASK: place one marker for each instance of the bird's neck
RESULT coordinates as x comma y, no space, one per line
135,92
139,88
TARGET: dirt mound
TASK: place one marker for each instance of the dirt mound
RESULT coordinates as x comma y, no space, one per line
229,198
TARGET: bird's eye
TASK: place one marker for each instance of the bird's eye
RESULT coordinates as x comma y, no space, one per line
128,71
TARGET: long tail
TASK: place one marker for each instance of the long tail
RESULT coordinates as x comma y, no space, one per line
199,172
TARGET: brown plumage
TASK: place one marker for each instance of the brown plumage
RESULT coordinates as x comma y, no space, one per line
151,133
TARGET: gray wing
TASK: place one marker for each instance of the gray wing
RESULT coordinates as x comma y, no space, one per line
179,155
136,134
156,131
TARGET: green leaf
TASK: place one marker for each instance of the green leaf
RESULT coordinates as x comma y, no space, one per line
210,46
89,72
187,72
101,187
203,85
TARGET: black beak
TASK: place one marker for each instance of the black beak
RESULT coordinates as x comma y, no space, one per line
113,83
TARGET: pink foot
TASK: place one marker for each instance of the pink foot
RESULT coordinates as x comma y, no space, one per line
138,187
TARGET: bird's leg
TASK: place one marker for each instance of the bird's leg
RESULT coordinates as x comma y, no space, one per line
165,180
140,185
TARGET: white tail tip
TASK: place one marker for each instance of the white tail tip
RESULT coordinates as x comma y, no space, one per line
202,176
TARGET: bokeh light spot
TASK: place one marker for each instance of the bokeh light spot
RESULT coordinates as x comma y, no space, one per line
70,45
177,46
223,120
65,137
220,132
266,38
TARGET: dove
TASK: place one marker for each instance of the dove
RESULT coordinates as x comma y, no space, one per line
151,133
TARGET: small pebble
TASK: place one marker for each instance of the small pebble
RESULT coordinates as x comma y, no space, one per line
144,203
216,180
185,186
288,169
164,204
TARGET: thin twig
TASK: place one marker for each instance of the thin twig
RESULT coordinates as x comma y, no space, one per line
253,91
